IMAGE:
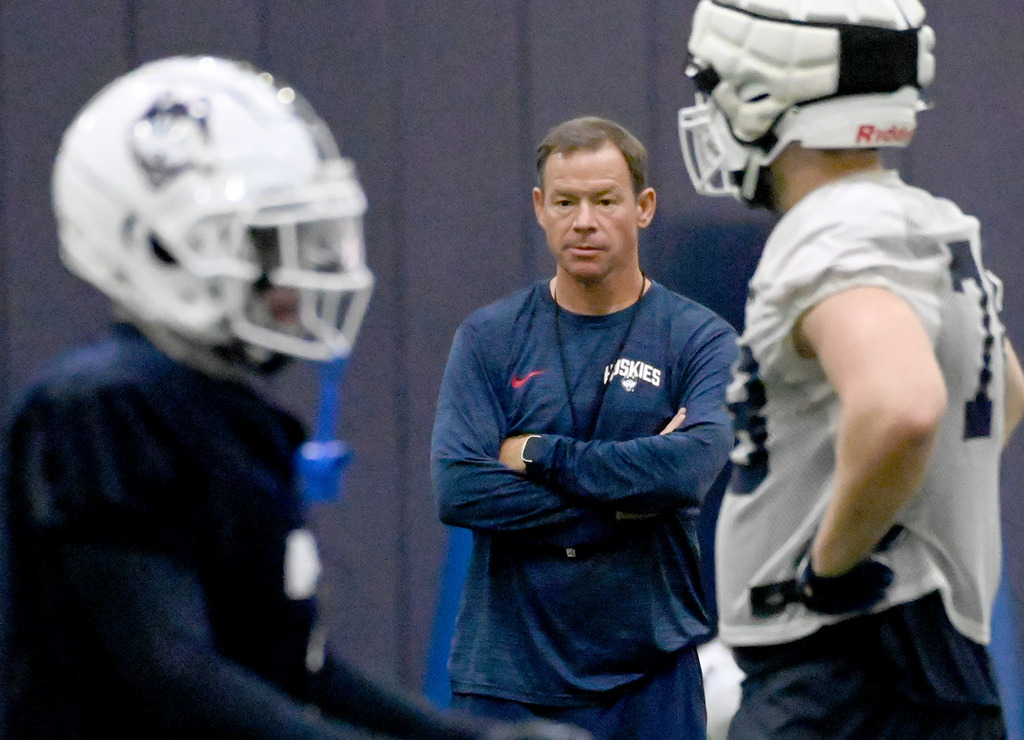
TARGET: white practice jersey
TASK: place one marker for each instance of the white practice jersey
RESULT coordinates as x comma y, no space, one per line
865,230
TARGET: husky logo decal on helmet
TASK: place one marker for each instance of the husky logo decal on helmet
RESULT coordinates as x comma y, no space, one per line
205,199
170,138
828,75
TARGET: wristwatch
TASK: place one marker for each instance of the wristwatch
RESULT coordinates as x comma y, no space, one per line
529,452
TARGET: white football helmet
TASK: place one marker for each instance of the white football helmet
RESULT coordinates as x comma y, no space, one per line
203,198
830,74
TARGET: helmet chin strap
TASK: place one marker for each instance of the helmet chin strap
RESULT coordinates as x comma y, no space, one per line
757,188
322,460
260,359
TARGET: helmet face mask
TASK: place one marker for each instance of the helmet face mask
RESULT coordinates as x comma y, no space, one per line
779,75
712,156
174,182
717,163
310,257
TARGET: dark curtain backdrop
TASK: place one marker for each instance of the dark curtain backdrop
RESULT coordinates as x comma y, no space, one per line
441,104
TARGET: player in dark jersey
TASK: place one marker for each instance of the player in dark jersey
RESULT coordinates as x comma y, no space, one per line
579,425
161,582
858,544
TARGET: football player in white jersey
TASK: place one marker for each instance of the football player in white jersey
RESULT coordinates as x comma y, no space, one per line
858,547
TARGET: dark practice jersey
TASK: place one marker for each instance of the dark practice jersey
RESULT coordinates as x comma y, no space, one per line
584,571
150,510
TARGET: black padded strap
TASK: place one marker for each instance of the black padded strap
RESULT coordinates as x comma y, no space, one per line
876,60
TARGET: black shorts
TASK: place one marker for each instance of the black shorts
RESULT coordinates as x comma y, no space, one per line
904,673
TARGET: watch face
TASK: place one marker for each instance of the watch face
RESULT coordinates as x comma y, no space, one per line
529,447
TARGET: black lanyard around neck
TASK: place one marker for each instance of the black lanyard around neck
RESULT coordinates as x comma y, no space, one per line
565,365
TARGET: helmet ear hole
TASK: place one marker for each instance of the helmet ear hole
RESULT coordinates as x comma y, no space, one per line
160,252
754,94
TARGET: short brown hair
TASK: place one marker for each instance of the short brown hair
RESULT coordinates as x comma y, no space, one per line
590,133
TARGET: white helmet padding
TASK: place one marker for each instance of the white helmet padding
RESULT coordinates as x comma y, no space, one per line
827,73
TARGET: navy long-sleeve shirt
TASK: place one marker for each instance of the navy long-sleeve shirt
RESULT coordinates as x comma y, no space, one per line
536,625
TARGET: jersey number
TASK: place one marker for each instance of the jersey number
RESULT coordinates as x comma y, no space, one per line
746,404
978,410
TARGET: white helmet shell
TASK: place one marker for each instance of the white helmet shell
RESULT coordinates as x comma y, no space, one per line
831,74
191,188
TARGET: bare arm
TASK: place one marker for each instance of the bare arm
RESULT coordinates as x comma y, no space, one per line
1014,391
879,358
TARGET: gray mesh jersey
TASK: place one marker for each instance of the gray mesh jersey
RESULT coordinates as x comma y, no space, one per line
865,230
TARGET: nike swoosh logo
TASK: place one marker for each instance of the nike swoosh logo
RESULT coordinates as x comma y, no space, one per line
520,382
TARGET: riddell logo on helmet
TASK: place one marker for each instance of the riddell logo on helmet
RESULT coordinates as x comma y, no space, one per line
868,134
